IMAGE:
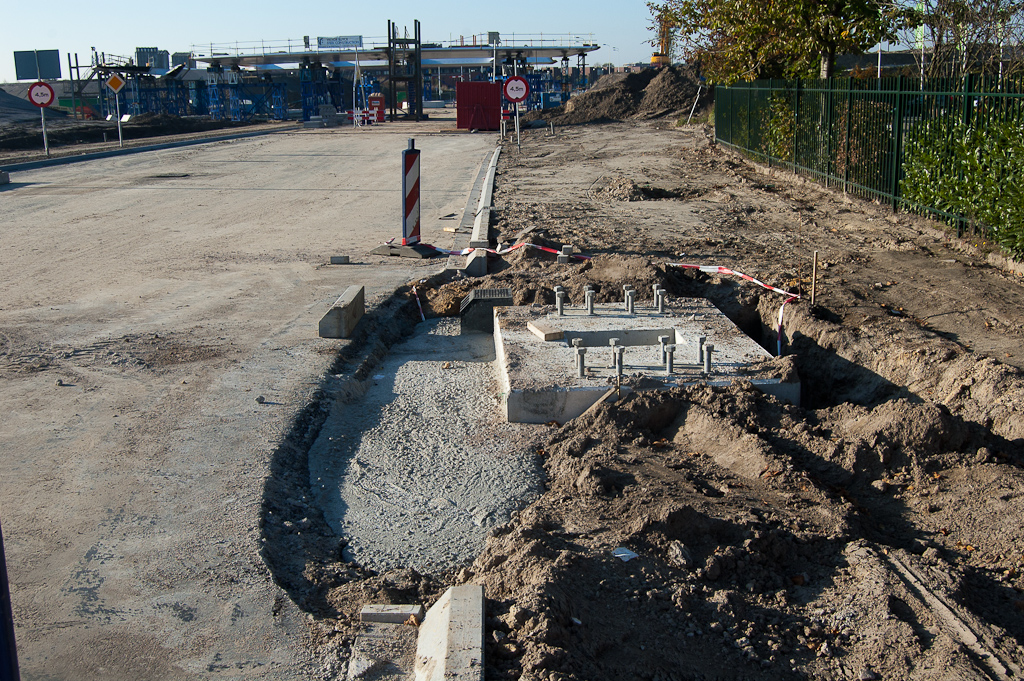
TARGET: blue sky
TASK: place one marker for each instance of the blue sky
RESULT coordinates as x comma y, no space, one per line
118,28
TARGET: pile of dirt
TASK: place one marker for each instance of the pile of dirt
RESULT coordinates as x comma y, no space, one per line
17,110
645,94
19,136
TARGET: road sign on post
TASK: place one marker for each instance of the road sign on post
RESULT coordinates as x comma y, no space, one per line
411,195
41,94
116,83
516,90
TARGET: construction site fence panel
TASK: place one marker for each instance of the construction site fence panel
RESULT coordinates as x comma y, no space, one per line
854,133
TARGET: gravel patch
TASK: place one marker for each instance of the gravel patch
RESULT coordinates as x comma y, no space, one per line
417,471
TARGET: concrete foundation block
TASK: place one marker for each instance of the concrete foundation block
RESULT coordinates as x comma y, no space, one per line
476,263
451,639
339,259
340,321
390,614
4,177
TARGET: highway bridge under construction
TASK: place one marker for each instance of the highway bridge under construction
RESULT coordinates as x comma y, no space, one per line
244,81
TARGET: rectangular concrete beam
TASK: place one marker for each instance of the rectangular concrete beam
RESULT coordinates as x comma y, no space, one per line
451,638
340,321
390,614
544,331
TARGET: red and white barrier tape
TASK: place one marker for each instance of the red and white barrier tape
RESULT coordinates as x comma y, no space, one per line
418,304
498,251
715,269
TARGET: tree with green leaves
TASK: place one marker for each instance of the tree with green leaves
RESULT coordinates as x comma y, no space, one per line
749,39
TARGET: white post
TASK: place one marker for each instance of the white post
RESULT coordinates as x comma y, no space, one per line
46,142
518,142
117,103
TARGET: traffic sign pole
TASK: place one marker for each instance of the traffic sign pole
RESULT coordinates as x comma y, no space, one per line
46,142
42,95
516,89
117,104
115,83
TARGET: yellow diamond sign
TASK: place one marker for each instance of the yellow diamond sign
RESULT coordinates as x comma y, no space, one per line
115,83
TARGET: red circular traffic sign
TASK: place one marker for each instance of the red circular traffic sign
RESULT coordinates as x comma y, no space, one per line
41,94
516,89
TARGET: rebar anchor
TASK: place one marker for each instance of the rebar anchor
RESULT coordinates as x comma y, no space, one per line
560,300
708,349
581,368
669,351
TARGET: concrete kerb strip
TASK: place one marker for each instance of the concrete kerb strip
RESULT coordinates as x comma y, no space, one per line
340,321
455,261
450,644
64,160
482,224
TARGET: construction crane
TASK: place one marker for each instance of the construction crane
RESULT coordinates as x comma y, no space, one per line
666,25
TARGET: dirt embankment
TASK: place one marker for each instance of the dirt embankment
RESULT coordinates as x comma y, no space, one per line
870,533
646,94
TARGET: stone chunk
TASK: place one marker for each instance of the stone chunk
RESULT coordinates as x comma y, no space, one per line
390,614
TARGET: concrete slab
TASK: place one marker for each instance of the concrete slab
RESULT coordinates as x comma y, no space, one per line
390,614
539,377
340,321
451,639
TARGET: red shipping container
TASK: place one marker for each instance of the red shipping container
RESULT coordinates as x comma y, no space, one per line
478,105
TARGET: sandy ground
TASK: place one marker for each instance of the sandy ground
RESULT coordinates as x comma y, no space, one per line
147,301
872,532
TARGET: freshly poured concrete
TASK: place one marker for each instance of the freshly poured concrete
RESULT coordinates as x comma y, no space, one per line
539,378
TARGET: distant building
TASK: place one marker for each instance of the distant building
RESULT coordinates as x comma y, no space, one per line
153,57
185,58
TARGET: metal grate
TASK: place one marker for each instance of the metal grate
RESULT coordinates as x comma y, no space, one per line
497,296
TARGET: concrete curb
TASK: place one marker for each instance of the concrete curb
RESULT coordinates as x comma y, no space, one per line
450,644
64,160
482,224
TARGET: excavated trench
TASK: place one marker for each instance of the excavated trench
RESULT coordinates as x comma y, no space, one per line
888,410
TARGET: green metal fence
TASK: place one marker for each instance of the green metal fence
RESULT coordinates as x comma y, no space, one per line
852,133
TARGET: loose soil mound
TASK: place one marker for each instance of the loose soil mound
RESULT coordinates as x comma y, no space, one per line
15,110
646,94
20,136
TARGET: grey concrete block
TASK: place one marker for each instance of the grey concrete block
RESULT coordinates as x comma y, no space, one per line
451,639
481,237
476,263
390,614
339,260
4,177
340,321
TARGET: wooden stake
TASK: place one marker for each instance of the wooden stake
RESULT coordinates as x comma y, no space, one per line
814,277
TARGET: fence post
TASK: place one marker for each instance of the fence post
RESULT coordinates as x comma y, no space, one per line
849,131
829,132
771,95
897,144
796,124
968,100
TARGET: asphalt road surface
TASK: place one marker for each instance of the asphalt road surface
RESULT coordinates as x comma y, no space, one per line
146,301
